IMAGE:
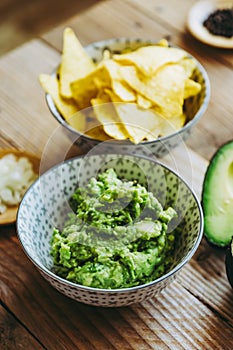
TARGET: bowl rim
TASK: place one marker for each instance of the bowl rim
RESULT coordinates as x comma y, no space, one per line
102,44
170,273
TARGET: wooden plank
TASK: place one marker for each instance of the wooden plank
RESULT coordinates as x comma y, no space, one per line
25,120
6,143
195,312
205,277
13,335
174,15
189,321
153,21
128,22
25,106
177,319
17,26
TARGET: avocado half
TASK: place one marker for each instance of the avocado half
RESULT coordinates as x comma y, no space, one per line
217,197
229,263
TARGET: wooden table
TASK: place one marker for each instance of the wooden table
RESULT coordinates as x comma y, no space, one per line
195,312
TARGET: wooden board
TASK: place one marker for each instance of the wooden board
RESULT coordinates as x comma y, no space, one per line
195,312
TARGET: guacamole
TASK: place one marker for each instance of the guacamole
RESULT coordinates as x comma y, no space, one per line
115,237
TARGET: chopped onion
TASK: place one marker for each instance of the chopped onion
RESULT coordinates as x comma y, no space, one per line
16,175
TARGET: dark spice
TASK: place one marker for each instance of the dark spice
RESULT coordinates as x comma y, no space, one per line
220,22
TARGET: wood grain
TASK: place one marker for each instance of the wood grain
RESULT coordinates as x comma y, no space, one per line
23,20
24,114
179,319
13,335
174,16
194,312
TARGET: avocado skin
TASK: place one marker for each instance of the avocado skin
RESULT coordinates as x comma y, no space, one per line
229,265
212,164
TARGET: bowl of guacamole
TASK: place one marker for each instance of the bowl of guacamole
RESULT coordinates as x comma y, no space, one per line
110,230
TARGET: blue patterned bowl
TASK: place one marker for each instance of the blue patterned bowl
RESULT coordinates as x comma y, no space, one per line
194,108
45,206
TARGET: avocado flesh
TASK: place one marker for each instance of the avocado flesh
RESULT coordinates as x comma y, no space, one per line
217,197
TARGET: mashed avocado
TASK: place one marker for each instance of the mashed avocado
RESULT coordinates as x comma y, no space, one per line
116,236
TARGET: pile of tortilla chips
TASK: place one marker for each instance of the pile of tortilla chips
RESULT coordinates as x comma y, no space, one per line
137,95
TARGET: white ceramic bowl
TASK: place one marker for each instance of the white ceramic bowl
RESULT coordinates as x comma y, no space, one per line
45,205
195,108
198,13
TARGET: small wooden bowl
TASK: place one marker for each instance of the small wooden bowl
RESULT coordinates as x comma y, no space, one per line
9,216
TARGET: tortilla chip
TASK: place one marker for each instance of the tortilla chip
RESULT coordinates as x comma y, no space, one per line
92,127
66,107
107,116
136,120
165,88
191,88
106,75
138,126
78,121
97,133
83,90
75,63
143,102
163,42
188,65
166,126
120,88
136,95
106,54
172,125
149,59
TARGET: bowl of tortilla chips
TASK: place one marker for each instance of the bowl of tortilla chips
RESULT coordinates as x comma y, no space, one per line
126,94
